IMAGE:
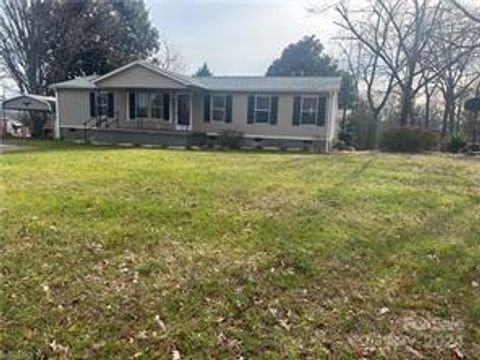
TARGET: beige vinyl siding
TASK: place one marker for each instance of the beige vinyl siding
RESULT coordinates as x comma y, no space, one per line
283,128
73,107
139,77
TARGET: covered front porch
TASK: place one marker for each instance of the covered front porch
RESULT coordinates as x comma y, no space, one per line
142,97
157,117
141,109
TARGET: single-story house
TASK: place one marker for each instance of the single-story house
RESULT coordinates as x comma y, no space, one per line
140,99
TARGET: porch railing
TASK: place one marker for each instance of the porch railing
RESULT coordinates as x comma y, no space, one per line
102,121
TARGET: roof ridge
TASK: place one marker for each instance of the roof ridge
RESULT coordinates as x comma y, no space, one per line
173,74
267,77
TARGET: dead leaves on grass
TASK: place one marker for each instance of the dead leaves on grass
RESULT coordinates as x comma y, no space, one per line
290,311
415,335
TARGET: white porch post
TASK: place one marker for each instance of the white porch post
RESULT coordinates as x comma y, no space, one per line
56,122
332,119
329,124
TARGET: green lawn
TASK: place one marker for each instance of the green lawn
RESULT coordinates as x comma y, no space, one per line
118,253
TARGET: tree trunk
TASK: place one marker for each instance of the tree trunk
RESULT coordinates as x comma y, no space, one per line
458,115
427,109
374,129
475,128
344,120
406,105
445,121
451,119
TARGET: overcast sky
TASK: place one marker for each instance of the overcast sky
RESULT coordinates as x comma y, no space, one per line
237,36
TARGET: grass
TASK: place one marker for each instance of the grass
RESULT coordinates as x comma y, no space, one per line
141,253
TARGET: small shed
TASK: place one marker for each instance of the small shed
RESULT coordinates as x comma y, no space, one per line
33,103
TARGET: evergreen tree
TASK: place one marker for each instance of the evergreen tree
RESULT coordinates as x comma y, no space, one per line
203,71
306,58
303,58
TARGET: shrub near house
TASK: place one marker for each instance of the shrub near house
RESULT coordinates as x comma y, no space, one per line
230,139
409,139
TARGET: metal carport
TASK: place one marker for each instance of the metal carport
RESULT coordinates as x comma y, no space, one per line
34,103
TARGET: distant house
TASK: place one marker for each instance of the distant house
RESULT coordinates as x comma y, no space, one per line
141,103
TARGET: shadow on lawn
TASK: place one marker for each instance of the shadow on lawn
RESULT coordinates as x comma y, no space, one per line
30,146
52,145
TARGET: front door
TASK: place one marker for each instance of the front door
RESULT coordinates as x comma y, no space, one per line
183,111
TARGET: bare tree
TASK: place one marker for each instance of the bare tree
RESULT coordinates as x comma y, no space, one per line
22,48
168,58
367,66
455,55
409,24
429,91
467,12
3,74
351,63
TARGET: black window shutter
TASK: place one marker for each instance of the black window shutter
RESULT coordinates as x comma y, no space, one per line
228,115
296,110
166,106
322,111
93,107
274,110
206,108
111,105
132,104
251,104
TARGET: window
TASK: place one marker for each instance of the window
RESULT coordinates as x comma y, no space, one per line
309,110
262,109
149,104
156,105
219,107
142,104
102,103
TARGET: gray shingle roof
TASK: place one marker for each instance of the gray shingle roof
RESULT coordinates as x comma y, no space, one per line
85,82
234,83
289,84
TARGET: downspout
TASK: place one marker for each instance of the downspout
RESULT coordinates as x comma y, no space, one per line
56,123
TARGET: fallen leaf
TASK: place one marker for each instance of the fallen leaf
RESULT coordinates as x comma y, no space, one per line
384,310
273,311
160,323
415,353
284,324
457,351
57,348
175,355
